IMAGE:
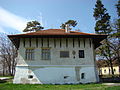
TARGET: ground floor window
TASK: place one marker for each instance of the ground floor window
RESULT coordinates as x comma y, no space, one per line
82,75
114,70
104,70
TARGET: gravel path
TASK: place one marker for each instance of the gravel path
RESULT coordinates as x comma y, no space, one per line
112,84
4,78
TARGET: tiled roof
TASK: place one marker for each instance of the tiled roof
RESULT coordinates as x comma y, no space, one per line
55,32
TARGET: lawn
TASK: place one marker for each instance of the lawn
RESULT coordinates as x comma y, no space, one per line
10,86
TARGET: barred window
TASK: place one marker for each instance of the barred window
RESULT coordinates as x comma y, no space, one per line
46,54
29,54
64,54
81,54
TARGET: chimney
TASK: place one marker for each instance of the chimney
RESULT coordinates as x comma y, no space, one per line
67,28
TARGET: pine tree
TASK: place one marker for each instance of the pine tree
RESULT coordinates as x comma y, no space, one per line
33,26
103,27
118,8
102,19
117,33
118,20
70,23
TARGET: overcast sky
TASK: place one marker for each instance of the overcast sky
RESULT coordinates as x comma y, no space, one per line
14,14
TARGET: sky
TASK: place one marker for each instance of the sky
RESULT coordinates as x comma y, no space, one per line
14,14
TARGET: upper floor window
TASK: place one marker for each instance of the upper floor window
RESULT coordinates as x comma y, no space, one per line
64,54
45,54
29,54
81,54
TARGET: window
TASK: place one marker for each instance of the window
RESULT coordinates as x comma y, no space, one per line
30,76
64,54
114,70
81,54
109,71
82,75
46,54
29,54
66,77
104,70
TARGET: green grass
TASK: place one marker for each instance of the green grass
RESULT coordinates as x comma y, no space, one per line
10,86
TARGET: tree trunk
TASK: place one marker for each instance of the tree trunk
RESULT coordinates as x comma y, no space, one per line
111,66
3,69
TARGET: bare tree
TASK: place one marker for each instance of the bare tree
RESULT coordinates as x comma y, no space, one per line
106,52
8,54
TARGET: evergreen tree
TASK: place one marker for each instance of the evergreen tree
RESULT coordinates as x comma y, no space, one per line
33,26
118,8
70,23
117,33
118,20
102,19
103,27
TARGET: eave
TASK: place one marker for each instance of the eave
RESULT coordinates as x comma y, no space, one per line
96,38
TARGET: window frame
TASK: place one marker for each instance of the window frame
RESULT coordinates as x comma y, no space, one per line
62,56
81,53
30,55
45,55
82,75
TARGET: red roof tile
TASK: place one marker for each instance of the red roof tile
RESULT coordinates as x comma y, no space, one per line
55,32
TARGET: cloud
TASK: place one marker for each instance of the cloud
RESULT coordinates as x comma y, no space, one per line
8,19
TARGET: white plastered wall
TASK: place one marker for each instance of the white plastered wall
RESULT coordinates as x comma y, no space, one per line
57,67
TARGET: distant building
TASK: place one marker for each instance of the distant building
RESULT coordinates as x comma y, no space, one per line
104,69
108,71
56,56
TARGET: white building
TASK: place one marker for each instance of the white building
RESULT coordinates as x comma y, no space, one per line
107,70
56,56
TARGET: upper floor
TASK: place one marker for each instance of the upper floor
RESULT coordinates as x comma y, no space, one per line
56,47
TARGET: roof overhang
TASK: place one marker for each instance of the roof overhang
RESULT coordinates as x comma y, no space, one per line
96,38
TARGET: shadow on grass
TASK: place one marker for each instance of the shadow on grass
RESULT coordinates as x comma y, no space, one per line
3,81
110,80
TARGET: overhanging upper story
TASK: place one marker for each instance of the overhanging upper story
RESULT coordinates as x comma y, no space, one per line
57,33
56,47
